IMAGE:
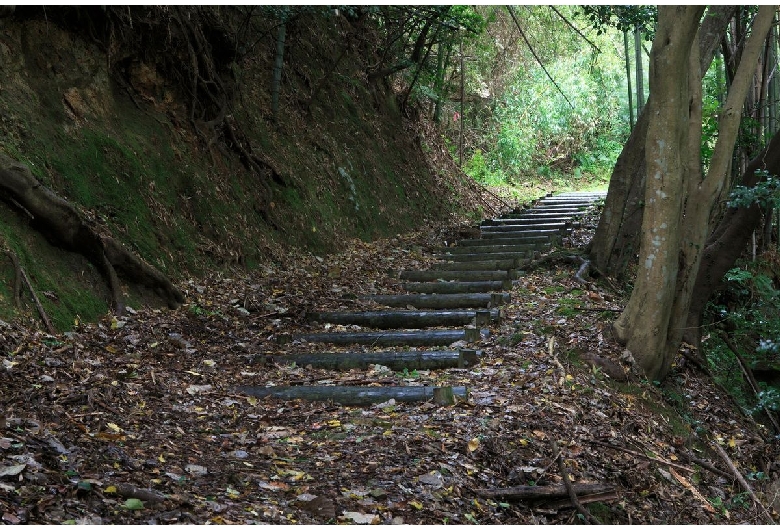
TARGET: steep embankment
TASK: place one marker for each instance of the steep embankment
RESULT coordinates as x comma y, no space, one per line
93,103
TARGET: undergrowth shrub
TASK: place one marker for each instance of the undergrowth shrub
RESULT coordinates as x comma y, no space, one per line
748,311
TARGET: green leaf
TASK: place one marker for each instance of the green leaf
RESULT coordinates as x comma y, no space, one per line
134,504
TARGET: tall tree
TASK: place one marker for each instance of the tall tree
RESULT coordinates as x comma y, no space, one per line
616,241
678,196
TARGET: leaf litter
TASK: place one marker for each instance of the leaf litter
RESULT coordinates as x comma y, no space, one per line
135,419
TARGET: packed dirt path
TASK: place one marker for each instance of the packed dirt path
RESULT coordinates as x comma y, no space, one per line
139,419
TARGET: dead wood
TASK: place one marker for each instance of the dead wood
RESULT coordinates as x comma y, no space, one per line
750,378
38,306
17,286
64,226
640,455
542,493
589,518
742,481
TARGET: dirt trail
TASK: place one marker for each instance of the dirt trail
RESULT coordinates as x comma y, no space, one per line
139,419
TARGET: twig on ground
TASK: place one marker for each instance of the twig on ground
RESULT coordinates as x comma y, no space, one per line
742,481
588,517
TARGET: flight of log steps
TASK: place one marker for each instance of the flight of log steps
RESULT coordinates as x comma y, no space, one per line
465,288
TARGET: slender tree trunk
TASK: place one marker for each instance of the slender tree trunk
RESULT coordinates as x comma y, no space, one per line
640,73
278,64
628,79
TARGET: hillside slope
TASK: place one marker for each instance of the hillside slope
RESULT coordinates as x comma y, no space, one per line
93,103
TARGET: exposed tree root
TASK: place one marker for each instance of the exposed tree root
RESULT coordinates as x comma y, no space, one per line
65,227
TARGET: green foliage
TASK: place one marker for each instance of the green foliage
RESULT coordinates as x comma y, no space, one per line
622,18
766,193
749,308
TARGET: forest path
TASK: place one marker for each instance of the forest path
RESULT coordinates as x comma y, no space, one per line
146,418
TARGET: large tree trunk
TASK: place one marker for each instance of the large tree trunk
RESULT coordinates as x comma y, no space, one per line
704,192
644,323
616,242
64,226
728,241
679,201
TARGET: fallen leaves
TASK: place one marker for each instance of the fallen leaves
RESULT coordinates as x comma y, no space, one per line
136,419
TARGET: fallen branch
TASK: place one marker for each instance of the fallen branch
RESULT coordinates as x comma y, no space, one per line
748,373
543,493
38,306
584,269
640,455
17,288
742,481
582,510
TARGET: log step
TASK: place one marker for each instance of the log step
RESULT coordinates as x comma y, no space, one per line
441,301
458,275
407,319
489,247
514,224
515,231
396,361
457,287
482,255
485,265
534,239
434,337
351,395
529,221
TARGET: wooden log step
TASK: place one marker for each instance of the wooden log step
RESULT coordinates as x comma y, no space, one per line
482,255
396,361
490,232
351,395
441,301
536,230
406,319
485,265
457,287
490,247
565,200
433,337
542,214
458,275
528,221
549,208
522,240
519,225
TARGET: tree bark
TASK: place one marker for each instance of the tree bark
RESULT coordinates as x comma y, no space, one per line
616,242
728,241
679,201
65,227
644,323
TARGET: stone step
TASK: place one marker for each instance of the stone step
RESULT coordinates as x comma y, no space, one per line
533,239
405,319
